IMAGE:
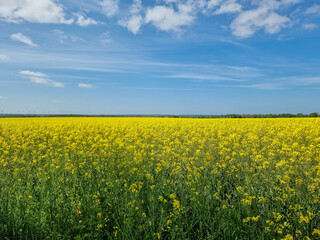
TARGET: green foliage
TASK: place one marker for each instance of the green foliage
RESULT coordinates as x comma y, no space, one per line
314,114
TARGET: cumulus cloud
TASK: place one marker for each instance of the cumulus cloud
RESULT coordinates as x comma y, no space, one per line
167,19
249,16
133,24
24,39
135,21
136,7
229,6
262,17
44,11
83,21
40,78
213,3
85,85
110,7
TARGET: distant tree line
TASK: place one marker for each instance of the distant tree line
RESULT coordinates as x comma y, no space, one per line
281,115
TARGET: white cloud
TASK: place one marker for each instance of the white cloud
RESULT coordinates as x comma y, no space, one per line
40,11
33,74
133,24
309,26
105,38
201,77
171,1
284,38
301,80
288,2
40,78
167,19
265,86
213,3
172,15
110,7
261,86
47,82
24,39
307,80
135,21
2,97
250,21
136,7
263,16
259,14
315,9
85,85
84,22
230,6
3,57
61,36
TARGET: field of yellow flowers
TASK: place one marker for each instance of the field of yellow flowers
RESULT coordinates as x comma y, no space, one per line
155,178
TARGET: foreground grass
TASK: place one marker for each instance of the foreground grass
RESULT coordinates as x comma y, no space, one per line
127,178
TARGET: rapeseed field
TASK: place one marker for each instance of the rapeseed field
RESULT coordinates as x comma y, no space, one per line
154,178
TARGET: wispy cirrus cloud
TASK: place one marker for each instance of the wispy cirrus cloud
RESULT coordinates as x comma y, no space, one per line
261,86
40,78
304,80
313,10
86,85
33,74
309,26
105,38
47,82
3,57
62,36
286,82
24,39
199,77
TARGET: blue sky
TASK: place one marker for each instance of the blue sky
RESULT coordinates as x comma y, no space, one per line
159,56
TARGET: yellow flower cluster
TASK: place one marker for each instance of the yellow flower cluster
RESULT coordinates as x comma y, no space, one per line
161,178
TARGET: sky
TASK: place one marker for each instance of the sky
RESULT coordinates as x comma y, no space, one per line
159,56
